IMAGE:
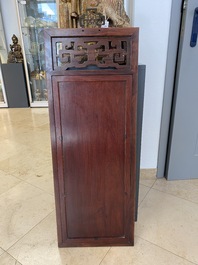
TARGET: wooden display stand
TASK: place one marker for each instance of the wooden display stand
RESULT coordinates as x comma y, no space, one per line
92,90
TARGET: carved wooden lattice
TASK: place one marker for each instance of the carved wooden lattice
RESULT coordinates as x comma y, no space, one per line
102,53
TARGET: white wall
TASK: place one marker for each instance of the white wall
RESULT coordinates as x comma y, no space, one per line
10,20
129,7
153,19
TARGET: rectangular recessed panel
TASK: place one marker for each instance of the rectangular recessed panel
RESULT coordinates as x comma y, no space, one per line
93,117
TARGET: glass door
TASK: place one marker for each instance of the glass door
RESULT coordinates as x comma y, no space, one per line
3,59
34,17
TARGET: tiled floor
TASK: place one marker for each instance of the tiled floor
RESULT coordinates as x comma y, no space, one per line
167,227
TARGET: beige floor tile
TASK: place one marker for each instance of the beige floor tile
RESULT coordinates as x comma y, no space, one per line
4,131
27,164
147,177
10,148
39,247
35,116
40,111
6,259
13,132
44,127
43,182
23,134
22,207
1,251
23,118
7,181
169,222
186,189
36,140
143,190
11,115
38,119
27,135
15,118
143,253
3,114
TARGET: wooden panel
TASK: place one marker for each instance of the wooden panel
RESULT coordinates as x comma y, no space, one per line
93,122
93,133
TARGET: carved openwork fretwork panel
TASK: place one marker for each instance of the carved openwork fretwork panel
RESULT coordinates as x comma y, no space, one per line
75,53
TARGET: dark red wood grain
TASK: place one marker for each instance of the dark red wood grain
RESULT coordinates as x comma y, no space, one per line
93,133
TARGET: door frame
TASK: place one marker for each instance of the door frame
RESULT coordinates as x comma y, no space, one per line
171,65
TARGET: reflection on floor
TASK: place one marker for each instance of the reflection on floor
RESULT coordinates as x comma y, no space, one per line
167,227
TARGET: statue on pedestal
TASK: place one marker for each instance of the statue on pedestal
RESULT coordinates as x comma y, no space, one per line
15,55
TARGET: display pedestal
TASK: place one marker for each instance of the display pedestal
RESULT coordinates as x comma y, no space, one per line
15,85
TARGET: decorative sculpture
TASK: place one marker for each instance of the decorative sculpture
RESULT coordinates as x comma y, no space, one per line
92,19
15,55
113,10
